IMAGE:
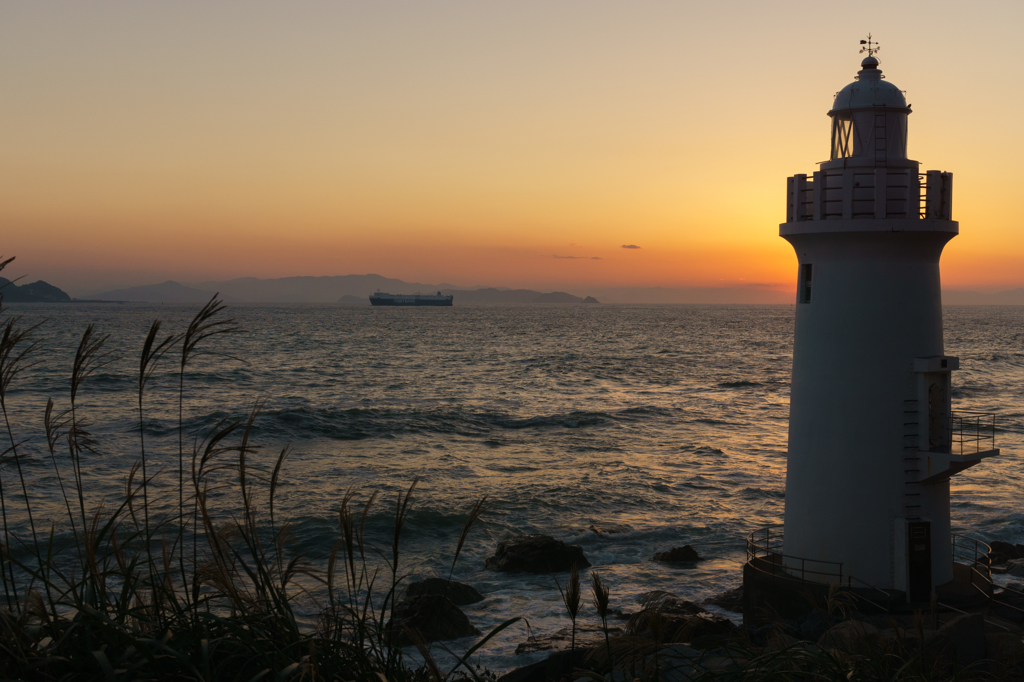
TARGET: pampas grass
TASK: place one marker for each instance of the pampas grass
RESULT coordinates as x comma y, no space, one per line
131,596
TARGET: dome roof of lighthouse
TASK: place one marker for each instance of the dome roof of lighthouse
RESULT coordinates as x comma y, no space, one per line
869,90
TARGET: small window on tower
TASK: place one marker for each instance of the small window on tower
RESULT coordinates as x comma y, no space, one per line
805,283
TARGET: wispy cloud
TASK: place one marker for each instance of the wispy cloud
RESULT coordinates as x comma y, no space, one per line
630,246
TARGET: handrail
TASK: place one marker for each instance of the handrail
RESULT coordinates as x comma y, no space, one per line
962,612
920,196
758,547
971,426
888,597
768,542
1007,588
970,552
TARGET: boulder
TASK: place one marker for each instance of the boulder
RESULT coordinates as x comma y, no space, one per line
609,529
996,559
730,600
900,639
967,633
535,554
780,641
1015,567
433,616
1004,647
587,635
812,625
1005,549
678,555
850,635
676,662
1009,603
557,666
459,594
678,620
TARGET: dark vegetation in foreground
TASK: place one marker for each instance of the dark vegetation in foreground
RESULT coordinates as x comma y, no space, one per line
205,592
127,591
670,639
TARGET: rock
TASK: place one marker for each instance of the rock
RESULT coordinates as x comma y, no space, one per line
1009,603
730,600
678,555
900,639
679,620
967,633
1004,647
435,617
676,662
850,635
720,664
590,300
587,635
780,641
535,554
1005,549
811,626
609,529
555,667
459,594
996,559
1015,567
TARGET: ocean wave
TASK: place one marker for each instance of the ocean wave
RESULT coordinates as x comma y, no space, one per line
357,423
761,493
701,450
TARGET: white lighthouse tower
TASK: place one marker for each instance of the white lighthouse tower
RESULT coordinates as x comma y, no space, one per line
872,440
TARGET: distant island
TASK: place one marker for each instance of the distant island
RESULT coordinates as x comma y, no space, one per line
354,290
491,296
36,292
351,290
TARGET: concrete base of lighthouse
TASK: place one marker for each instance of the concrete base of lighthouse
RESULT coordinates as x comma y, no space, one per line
772,590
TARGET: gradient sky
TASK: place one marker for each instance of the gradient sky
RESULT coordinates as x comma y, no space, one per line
472,142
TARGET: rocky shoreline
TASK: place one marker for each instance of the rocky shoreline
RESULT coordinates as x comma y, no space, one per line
685,640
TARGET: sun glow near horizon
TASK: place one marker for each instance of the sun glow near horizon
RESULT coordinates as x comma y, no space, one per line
471,144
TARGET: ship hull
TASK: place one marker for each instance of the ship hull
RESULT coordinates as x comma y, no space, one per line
416,300
401,302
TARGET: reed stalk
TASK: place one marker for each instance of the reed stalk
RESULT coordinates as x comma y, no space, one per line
571,599
114,606
153,350
602,594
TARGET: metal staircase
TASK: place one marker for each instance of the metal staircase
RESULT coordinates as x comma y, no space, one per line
911,461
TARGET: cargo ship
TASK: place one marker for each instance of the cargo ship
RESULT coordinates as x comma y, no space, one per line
381,298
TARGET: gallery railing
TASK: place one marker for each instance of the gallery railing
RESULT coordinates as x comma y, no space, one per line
765,554
971,432
766,544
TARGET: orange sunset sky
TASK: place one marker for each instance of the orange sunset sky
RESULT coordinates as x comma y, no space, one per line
472,142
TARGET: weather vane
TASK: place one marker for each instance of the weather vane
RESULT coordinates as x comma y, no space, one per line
871,48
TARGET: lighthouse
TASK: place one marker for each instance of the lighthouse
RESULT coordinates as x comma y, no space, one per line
873,441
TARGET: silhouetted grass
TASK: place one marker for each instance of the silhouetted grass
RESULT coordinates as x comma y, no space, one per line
126,598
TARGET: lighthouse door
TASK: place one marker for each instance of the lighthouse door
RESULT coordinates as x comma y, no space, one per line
919,560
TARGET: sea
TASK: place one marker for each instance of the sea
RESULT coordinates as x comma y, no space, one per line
625,429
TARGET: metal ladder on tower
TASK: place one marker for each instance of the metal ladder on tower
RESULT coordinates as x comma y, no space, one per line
911,461
881,140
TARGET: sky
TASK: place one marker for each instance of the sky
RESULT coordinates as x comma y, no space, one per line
518,144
